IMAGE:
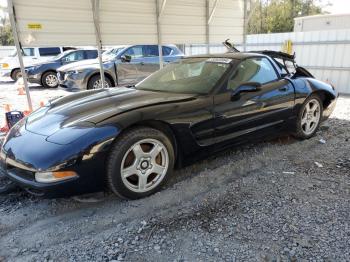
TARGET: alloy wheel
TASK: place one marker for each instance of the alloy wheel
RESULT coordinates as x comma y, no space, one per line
144,165
18,75
51,80
310,116
98,84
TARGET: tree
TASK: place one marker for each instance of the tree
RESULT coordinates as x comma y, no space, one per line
275,16
6,37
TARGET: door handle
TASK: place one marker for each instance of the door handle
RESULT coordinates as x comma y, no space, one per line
283,88
219,115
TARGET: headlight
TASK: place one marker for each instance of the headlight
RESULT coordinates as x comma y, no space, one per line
32,68
50,177
74,72
5,65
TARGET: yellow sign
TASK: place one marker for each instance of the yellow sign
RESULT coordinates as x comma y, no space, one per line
34,26
287,47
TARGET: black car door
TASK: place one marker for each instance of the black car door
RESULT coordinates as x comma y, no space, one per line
263,103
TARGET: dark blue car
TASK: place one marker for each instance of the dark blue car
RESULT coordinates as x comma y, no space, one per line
45,73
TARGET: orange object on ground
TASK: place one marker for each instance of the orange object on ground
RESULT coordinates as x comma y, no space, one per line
20,86
7,107
27,112
21,91
4,129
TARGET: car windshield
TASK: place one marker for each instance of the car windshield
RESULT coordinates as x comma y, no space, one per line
25,52
111,53
59,56
190,76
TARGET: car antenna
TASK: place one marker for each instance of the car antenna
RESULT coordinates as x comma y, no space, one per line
230,46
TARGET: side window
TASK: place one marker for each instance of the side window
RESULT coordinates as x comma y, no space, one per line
167,51
91,54
150,50
134,52
49,51
28,51
74,56
252,70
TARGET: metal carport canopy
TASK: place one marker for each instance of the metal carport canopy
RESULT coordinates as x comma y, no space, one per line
115,22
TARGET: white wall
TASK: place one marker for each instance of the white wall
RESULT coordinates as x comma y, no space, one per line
66,22
326,54
322,22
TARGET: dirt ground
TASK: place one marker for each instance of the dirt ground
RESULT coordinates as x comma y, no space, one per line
278,200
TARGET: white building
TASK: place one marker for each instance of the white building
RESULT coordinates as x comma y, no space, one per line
321,22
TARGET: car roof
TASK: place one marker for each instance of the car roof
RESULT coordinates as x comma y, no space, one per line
230,55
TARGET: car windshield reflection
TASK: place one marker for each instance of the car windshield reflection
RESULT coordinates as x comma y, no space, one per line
189,76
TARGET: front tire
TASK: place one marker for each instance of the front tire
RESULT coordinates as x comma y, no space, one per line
6,185
309,117
50,80
140,162
16,74
95,82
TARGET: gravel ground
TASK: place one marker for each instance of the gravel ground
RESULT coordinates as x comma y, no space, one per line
279,200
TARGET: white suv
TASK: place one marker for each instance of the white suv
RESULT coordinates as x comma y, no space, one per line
10,65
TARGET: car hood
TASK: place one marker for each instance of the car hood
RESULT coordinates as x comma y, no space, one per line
48,63
79,65
88,108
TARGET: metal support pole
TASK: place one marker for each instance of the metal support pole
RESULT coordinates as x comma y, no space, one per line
12,16
159,14
209,16
207,32
96,17
245,25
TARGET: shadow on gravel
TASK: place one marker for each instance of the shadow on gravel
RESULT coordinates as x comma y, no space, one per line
11,82
6,82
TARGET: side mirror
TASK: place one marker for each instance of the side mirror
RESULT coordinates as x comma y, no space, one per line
64,60
244,88
125,58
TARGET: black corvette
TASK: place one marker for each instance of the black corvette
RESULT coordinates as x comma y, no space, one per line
130,139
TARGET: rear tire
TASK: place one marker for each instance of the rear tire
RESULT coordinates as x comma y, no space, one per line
95,82
140,162
49,80
309,117
16,74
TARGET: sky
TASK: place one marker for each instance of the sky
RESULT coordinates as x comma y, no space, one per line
339,7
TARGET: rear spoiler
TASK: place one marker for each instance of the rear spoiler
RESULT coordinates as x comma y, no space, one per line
230,46
272,54
299,71
277,54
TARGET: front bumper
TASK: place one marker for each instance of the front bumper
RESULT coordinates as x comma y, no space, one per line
5,73
73,82
34,78
87,182
20,163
